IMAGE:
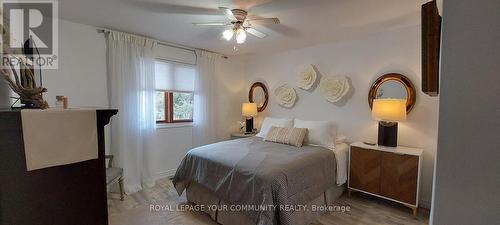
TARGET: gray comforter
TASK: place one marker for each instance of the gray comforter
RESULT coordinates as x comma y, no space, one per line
253,172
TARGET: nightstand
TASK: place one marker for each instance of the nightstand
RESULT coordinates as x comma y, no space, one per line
241,135
391,173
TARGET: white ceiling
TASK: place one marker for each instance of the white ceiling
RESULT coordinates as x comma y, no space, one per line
303,22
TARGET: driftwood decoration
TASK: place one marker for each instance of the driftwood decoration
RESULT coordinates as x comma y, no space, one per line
27,89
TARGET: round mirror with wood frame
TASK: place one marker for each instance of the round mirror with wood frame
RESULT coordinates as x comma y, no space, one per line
394,78
255,89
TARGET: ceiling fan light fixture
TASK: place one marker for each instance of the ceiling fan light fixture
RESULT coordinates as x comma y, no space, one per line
228,34
241,36
241,24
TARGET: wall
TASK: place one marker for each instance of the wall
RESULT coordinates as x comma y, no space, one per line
231,92
82,77
173,142
170,146
362,60
82,67
5,94
467,177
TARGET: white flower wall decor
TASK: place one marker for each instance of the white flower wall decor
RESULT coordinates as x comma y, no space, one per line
334,88
285,95
307,77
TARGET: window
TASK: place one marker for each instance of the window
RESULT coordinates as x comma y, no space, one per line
174,92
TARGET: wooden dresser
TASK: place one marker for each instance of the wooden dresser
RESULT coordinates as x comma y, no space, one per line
73,194
392,173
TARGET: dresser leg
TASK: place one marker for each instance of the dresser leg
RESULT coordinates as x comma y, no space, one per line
414,210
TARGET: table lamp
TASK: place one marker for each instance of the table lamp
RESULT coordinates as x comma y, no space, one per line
249,110
388,112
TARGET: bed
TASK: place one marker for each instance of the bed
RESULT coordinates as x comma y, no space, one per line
252,181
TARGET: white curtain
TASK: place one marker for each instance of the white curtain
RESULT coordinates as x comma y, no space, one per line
131,85
204,102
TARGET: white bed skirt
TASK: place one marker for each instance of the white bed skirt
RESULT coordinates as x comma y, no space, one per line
200,195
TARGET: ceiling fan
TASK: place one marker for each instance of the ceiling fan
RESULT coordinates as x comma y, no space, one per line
240,24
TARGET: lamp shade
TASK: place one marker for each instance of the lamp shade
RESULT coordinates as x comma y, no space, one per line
228,34
241,36
249,109
390,110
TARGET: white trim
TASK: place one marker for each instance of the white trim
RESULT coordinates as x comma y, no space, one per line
166,174
366,192
165,60
397,150
160,126
418,178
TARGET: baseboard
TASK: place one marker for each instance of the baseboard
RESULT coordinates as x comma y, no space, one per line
426,204
166,174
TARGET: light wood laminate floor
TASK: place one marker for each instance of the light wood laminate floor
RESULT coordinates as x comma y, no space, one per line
135,210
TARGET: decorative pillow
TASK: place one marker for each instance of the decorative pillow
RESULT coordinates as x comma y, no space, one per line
277,122
286,135
320,133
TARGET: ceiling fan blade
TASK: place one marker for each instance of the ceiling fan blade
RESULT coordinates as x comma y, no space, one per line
212,24
228,13
256,33
263,21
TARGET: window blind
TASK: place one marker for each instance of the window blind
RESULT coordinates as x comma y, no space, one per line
174,76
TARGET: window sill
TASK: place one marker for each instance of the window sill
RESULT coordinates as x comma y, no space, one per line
173,125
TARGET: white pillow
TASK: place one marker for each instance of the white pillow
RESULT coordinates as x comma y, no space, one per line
320,133
270,121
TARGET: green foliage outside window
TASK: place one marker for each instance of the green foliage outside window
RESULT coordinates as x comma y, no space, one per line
183,106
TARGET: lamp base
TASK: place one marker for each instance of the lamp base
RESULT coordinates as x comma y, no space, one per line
249,125
388,134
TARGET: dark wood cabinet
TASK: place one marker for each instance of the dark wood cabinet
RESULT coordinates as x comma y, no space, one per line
391,173
70,194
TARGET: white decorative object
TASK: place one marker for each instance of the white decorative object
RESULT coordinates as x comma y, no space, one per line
242,125
285,95
334,88
306,78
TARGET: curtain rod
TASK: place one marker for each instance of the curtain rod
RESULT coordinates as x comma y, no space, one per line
103,30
